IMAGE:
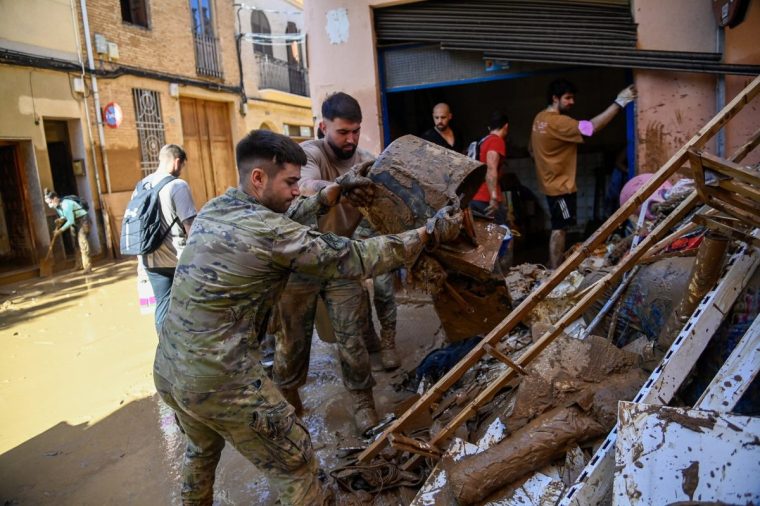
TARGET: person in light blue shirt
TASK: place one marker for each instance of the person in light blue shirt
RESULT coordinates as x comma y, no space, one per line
72,217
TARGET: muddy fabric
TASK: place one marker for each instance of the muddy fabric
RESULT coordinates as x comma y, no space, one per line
230,275
554,139
347,307
259,423
473,478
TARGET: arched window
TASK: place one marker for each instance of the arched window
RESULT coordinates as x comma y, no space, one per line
294,48
260,24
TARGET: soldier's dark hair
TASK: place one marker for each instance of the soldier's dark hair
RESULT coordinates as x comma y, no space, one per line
497,120
267,150
341,105
559,87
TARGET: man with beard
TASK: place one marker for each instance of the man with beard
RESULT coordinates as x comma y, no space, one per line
243,247
345,299
442,133
554,145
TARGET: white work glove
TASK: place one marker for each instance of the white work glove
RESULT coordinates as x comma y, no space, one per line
626,96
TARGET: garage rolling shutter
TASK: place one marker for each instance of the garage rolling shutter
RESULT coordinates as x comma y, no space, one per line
593,33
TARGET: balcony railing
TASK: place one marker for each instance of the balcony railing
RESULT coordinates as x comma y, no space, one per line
281,75
206,56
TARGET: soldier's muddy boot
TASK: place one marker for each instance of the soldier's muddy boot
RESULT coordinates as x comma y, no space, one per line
388,355
291,395
365,415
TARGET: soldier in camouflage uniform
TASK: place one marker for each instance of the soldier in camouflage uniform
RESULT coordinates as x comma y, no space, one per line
239,255
345,299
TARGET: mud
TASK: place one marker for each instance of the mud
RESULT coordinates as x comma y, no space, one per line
415,179
468,308
474,478
565,369
574,412
81,424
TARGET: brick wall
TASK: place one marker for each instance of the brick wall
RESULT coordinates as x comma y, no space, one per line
167,44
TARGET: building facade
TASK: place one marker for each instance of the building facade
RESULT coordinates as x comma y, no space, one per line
272,48
91,90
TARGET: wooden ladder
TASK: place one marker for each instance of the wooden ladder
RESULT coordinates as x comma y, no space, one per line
393,434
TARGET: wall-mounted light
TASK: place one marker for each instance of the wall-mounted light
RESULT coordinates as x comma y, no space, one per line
174,90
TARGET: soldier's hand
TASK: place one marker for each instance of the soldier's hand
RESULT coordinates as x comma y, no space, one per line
444,226
356,186
626,96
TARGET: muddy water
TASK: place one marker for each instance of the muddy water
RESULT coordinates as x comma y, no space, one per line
80,422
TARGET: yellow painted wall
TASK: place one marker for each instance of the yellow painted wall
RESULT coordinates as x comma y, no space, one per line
46,25
27,97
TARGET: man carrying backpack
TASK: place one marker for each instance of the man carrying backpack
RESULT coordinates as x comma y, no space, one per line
177,214
72,216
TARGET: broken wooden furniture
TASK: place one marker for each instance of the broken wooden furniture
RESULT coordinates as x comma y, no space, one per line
604,478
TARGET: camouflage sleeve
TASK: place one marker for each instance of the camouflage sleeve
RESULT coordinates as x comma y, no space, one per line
305,209
301,249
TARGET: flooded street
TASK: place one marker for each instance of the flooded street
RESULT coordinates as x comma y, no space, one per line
80,422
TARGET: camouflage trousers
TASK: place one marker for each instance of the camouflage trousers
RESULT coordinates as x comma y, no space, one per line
259,423
346,304
384,299
383,291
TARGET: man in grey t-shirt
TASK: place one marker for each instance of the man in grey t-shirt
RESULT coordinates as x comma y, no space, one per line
177,214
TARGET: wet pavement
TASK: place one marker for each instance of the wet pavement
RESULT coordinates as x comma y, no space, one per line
80,422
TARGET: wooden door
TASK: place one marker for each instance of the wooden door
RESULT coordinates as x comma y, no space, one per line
207,139
17,245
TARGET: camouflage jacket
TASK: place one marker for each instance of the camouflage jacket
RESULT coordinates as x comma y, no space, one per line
233,270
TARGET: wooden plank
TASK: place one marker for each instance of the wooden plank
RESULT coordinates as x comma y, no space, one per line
596,480
505,359
728,168
407,444
742,189
596,239
736,374
748,218
748,146
726,230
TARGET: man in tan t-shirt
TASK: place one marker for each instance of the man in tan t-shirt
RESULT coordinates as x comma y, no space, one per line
345,299
554,146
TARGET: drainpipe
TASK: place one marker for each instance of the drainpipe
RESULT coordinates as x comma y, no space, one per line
98,185
720,93
99,122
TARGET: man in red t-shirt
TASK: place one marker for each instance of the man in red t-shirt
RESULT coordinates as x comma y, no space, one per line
493,151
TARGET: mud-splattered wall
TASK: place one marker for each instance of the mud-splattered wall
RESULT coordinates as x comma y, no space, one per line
673,106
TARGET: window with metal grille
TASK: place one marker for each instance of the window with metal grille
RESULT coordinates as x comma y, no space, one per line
150,128
207,62
135,12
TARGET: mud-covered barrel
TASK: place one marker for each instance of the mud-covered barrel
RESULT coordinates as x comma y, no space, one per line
416,178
